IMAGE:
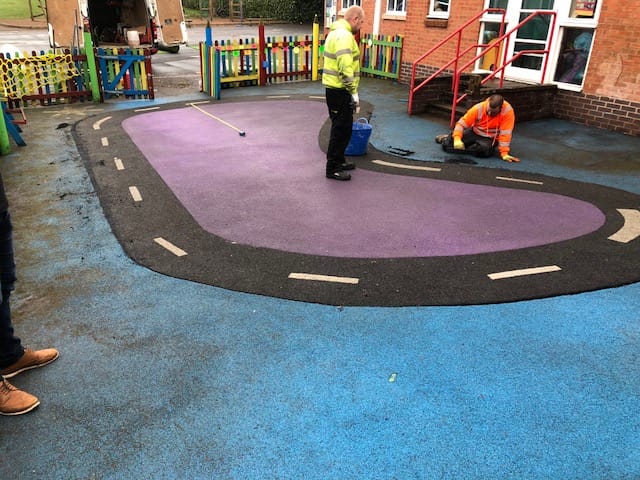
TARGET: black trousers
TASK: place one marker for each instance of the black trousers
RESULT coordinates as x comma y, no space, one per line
10,346
341,108
473,144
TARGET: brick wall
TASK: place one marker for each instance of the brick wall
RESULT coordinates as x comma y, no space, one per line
598,111
614,66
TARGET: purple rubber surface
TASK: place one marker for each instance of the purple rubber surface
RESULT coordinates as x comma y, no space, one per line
267,189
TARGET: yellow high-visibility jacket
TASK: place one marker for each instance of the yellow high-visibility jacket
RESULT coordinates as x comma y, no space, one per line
499,127
341,58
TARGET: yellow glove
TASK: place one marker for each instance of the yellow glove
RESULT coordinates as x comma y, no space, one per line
508,158
458,144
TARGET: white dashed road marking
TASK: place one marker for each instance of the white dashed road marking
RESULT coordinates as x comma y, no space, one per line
135,194
631,228
98,124
105,141
323,278
519,180
523,272
407,167
178,252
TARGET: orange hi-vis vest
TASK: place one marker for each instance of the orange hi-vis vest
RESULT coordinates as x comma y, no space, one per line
498,128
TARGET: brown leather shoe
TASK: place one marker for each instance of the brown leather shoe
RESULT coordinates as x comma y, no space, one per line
14,401
30,359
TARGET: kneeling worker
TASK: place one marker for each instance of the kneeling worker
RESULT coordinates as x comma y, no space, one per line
486,126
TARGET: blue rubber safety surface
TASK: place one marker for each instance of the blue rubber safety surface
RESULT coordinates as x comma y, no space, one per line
165,378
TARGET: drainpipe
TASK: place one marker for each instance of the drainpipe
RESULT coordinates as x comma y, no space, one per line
377,14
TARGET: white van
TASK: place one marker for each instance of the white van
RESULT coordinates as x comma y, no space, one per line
148,23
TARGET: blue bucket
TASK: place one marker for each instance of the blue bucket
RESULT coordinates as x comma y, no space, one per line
359,138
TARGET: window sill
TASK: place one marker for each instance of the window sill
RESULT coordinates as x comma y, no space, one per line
436,22
395,16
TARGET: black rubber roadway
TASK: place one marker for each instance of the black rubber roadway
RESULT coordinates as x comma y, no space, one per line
590,262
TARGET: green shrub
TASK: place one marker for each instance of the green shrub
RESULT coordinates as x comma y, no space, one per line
295,11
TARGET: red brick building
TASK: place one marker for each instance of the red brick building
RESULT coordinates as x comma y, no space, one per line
593,59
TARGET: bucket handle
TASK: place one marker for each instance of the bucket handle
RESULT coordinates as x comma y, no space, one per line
366,122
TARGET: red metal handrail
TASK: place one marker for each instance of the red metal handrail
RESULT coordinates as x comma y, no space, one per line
504,38
458,34
502,41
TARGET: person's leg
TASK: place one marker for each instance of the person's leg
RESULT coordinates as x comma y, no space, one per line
340,108
468,138
477,145
14,359
10,346
484,147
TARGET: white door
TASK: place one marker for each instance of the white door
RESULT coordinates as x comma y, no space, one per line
64,22
533,36
170,23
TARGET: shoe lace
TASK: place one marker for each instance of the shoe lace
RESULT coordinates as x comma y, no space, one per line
6,387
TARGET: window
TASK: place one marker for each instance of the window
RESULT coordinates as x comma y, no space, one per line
580,9
574,53
348,3
498,4
396,6
438,8
537,4
491,59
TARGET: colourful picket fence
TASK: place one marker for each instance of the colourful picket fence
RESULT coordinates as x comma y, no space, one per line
270,60
381,55
289,59
210,70
239,62
45,78
285,59
56,77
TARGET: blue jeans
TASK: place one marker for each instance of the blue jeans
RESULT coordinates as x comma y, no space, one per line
10,347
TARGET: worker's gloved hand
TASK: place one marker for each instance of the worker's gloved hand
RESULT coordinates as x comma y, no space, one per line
356,102
508,158
458,144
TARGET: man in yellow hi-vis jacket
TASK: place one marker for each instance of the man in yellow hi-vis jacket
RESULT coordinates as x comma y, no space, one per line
341,76
486,126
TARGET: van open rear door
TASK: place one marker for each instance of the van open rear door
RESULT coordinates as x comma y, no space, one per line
64,22
172,31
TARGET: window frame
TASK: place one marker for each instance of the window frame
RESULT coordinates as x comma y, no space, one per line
349,3
433,13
